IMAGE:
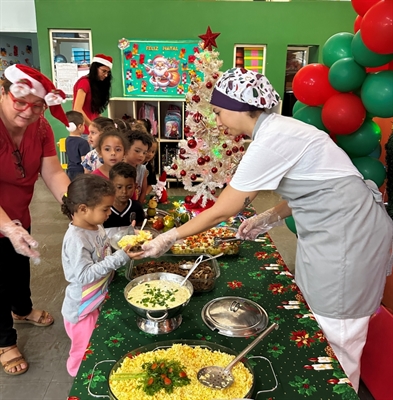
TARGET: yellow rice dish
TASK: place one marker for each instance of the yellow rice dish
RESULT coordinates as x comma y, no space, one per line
193,359
135,240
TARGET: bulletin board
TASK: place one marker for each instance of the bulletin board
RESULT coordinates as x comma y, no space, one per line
15,50
157,68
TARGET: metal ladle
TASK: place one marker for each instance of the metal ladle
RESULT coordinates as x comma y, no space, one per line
219,377
189,264
197,262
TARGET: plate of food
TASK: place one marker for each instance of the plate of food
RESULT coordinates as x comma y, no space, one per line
121,239
206,242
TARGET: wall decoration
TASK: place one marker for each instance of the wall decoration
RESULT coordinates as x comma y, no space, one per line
157,68
14,50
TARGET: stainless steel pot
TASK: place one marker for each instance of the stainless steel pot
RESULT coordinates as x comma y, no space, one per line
158,321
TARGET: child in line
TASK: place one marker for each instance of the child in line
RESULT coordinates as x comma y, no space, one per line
123,177
140,142
121,125
111,148
149,163
87,260
92,160
76,147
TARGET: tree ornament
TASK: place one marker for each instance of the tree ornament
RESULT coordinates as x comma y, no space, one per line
241,149
182,151
209,39
188,199
186,129
228,153
215,76
196,98
193,177
174,166
207,158
224,145
197,117
201,161
235,149
226,132
213,192
214,170
183,173
192,143
209,85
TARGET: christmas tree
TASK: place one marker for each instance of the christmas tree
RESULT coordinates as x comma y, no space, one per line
207,157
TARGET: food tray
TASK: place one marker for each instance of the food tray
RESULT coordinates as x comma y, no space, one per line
204,243
205,283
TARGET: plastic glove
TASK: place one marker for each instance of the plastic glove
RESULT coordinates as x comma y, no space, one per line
21,240
259,224
161,244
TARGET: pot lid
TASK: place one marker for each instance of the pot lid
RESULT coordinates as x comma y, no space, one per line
234,316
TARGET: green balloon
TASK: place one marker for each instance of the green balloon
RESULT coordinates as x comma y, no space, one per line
346,75
297,106
336,47
376,153
377,94
366,57
312,116
361,142
371,168
290,223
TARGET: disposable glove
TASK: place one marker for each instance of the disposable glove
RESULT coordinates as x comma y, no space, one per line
259,224
21,240
161,244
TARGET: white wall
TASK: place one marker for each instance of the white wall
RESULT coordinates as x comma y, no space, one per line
17,16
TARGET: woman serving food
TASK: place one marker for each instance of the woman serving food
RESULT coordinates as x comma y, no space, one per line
344,233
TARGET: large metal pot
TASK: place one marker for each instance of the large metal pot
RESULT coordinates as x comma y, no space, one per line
158,321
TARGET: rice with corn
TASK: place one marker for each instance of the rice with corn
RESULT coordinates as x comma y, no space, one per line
193,359
134,240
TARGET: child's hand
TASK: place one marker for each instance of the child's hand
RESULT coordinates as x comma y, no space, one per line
132,254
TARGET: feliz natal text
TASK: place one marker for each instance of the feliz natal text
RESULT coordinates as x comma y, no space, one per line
166,48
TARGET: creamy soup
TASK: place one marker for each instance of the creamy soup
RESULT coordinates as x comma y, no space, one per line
158,295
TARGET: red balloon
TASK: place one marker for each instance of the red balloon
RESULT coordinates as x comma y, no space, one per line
311,85
362,6
343,113
356,25
376,28
385,67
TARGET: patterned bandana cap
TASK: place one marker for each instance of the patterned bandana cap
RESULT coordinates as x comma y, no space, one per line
241,90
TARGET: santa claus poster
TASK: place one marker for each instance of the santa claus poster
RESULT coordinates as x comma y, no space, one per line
157,68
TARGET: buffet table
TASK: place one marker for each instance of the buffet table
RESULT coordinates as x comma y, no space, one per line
303,362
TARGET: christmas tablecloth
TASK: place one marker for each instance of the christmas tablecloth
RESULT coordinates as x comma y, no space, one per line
302,359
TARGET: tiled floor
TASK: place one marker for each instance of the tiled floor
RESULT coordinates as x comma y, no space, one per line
46,349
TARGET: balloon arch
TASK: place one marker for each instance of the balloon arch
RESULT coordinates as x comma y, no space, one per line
353,85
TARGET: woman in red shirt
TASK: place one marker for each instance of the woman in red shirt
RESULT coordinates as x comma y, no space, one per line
92,91
27,148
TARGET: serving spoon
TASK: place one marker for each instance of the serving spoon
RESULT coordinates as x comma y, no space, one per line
189,265
220,378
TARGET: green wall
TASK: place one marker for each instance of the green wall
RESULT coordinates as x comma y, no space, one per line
275,24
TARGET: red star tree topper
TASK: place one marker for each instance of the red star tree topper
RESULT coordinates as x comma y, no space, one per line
209,39
207,158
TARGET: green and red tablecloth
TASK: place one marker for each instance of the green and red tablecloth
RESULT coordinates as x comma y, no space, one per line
257,273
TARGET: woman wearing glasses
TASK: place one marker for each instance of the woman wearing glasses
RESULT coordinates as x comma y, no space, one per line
27,148
92,91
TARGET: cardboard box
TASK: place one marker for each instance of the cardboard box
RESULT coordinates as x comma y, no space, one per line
377,358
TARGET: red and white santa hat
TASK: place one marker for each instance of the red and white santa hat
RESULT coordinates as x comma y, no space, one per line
26,80
103,59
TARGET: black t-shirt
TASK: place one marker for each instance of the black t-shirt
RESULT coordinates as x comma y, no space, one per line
76,147
122,218
151,178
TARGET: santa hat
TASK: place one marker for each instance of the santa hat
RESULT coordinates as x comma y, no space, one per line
26,80
158,59
103,59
